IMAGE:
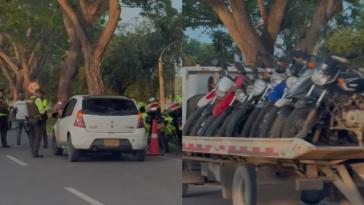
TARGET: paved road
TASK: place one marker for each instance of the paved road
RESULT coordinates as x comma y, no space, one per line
210,195
95,180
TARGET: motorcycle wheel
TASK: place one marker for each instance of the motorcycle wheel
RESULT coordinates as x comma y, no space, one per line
249,123
266,129
237,120
224,126
254,131
294,122
163,144
192,119
197,126
214,128
207,124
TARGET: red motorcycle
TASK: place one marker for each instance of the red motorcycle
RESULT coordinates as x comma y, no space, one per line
223,108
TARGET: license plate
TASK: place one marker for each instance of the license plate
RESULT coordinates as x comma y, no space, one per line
160,126
111,143
180,127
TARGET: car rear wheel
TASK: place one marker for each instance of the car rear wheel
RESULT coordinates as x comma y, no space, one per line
140,155
73,154
56,150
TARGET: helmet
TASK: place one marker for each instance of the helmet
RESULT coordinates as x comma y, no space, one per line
140,104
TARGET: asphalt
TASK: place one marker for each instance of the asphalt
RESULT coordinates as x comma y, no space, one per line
95,180
211,195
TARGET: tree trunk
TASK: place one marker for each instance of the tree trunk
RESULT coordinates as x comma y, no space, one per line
326,10
93,75
10,79
68,71
273,24
92,49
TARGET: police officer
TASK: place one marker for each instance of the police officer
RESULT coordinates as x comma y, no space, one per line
35,111
44,124
4,114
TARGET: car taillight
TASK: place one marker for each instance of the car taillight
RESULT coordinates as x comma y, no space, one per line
79,120
140,121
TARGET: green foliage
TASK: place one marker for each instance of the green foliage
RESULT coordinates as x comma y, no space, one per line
195,52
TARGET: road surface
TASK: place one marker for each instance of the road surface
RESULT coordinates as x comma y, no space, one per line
99,180
211,195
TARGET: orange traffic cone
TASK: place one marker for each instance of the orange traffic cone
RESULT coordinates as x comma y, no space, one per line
154,145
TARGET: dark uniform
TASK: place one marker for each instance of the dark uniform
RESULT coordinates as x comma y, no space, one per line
4,124
35,110
44,124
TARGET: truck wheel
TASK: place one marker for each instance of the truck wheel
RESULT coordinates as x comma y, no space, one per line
312,197
190,122
237,120
184,189
249,123
245,185
254,131
267,125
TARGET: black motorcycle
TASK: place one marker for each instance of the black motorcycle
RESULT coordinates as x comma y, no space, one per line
336,116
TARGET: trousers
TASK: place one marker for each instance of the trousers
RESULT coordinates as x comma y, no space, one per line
4,126
35,134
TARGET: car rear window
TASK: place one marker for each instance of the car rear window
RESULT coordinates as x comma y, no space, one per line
109,107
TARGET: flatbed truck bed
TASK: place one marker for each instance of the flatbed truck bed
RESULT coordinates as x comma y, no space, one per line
254,171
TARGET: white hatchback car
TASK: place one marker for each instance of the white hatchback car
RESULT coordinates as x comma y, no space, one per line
98,123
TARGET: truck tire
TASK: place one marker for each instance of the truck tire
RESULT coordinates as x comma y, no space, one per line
184,189
249,123
312,197
192,104
254,131
245,185
207,125
191,120
268,122
237,120
214,128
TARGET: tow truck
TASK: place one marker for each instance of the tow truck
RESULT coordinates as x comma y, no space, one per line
255,171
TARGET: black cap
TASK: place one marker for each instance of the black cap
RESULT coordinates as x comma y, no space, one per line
1,90
40,90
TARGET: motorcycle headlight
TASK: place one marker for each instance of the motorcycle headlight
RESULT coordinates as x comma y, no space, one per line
318,77
259,86
239,94
219,93
291,81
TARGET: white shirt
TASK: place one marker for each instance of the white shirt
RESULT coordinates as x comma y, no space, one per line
22,110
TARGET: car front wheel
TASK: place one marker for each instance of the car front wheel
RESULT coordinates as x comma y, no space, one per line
73,154
56,150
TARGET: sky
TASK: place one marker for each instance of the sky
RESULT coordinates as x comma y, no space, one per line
127,14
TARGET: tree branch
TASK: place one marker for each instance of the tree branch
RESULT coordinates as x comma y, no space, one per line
85,41
7,59
263,11
6,73
114,14
31,57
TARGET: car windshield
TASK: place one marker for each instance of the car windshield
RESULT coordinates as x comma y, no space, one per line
109,107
